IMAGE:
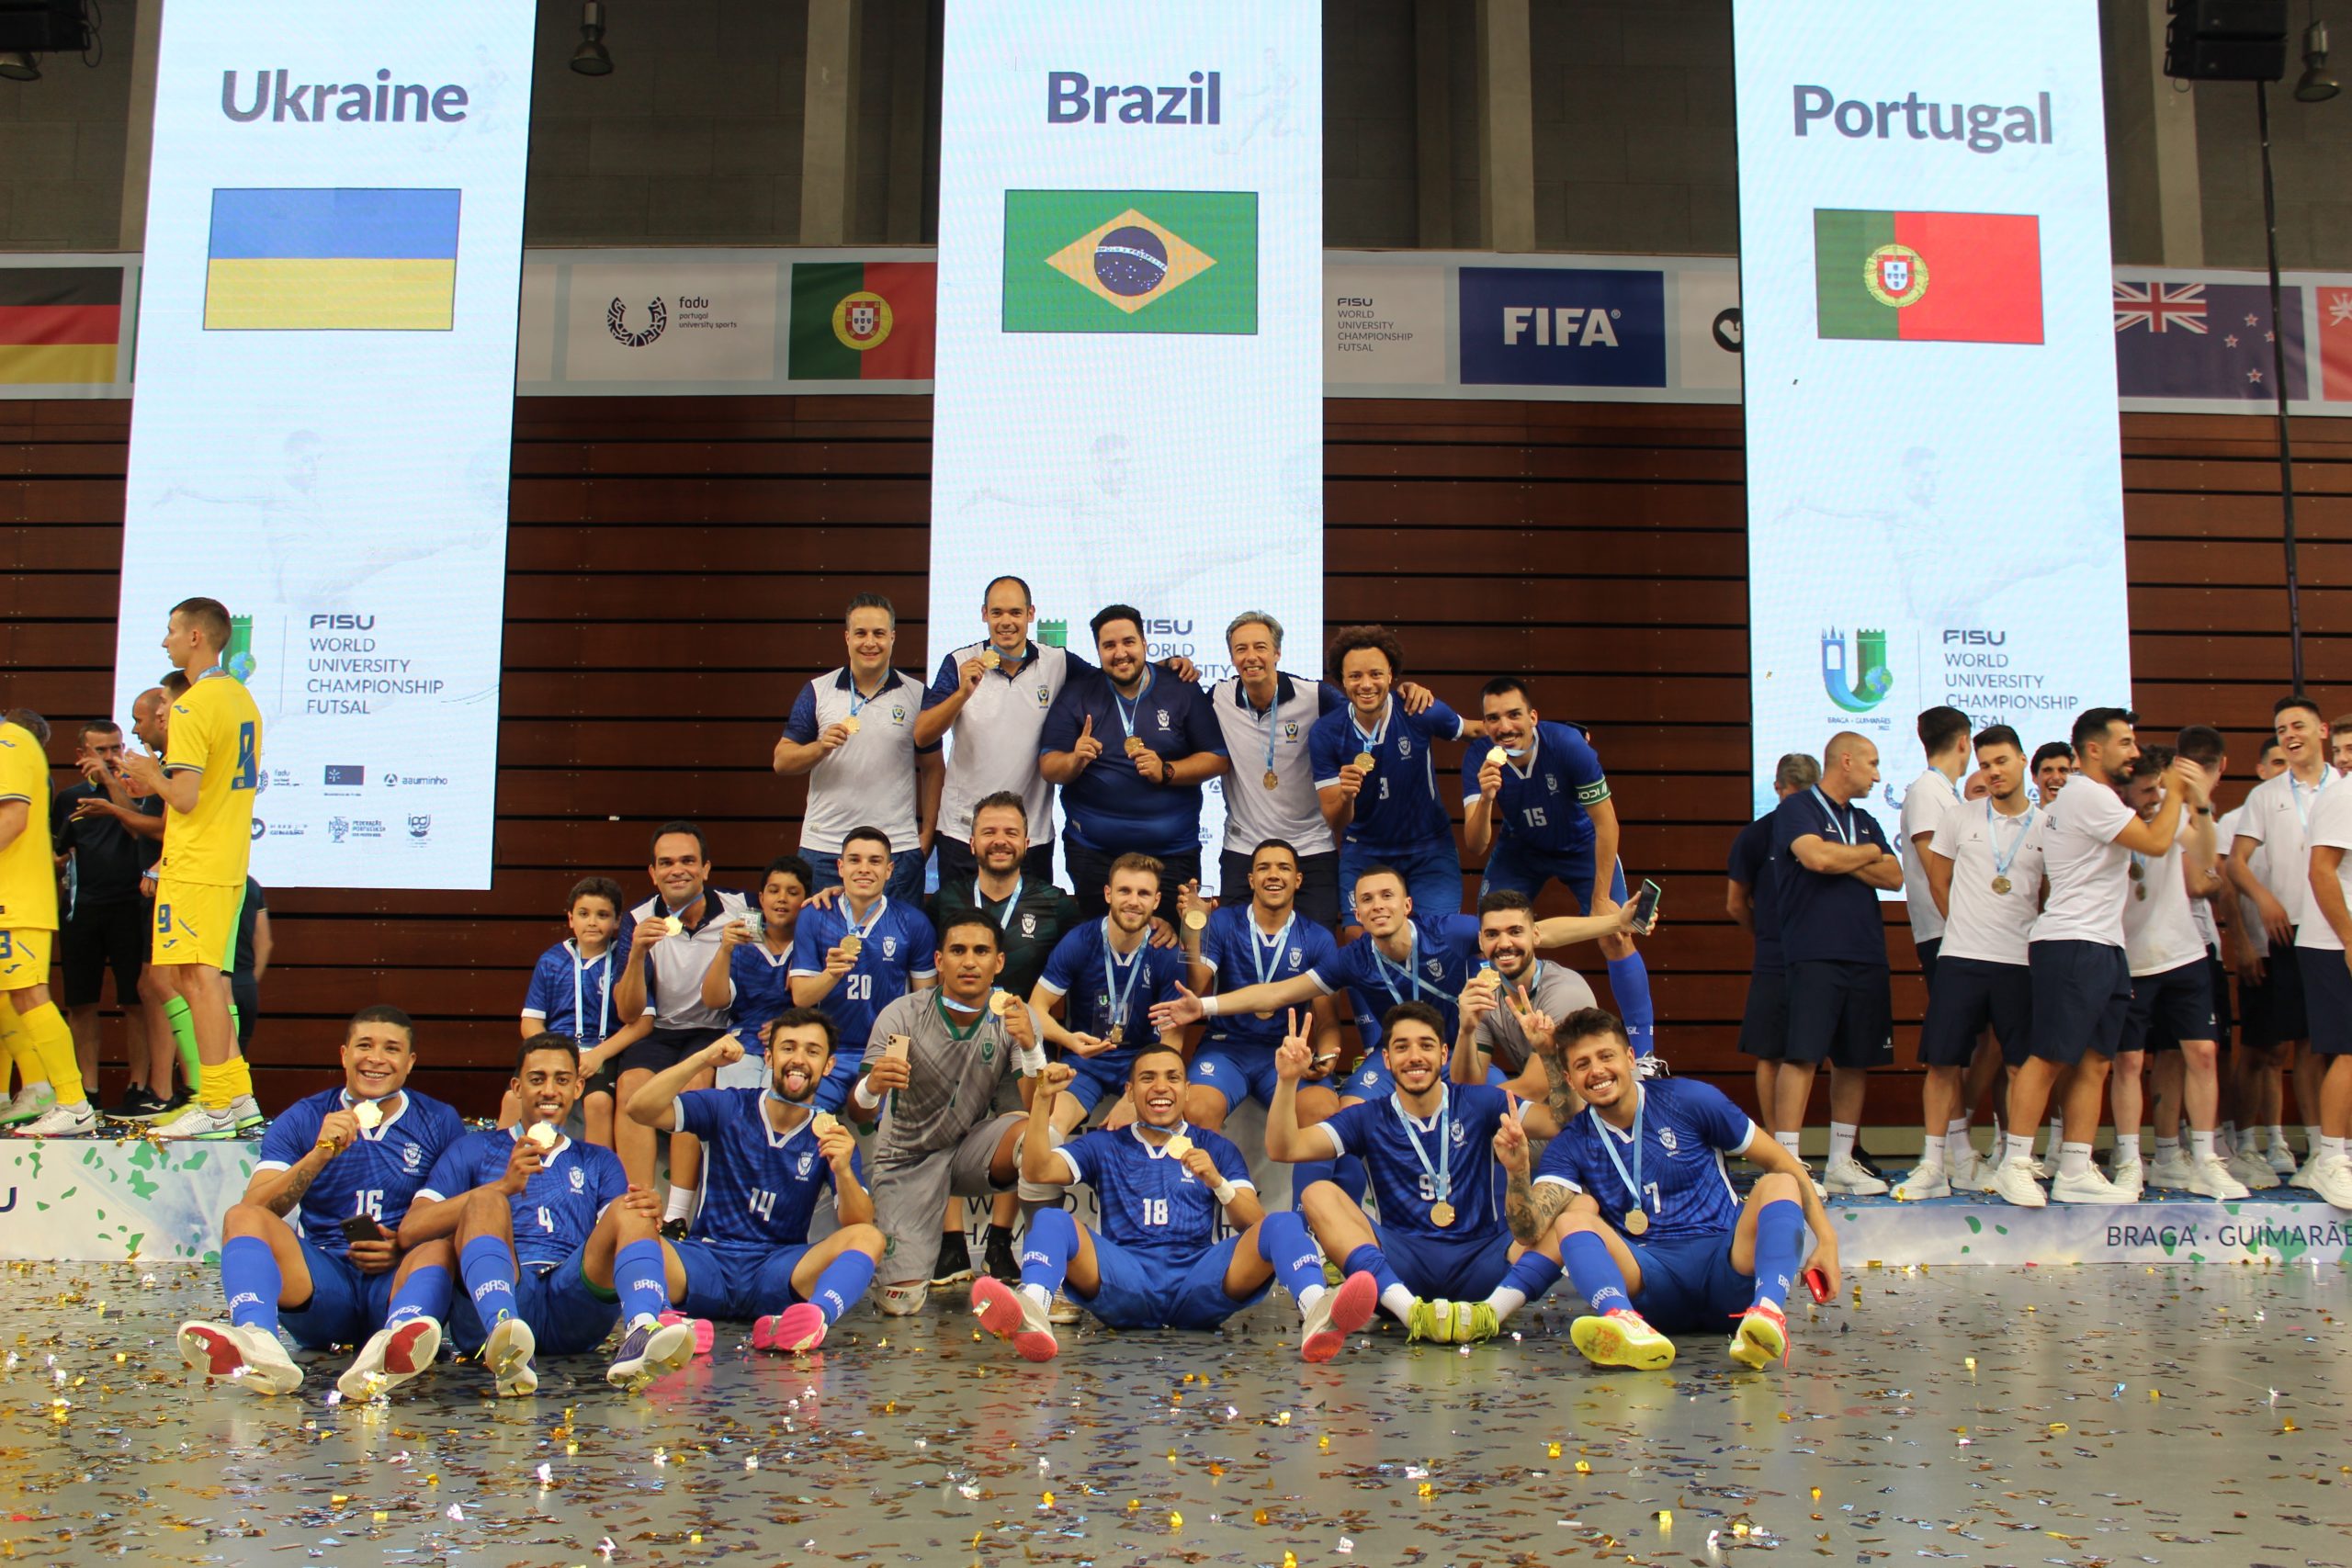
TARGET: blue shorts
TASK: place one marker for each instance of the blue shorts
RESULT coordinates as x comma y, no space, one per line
1237,1072
1371,1081
738,1283
1970,994
2082,994
1141,1290
1452,1270
1432,875
567,1314
1099,1077
1689,1285
1516,867
345,1306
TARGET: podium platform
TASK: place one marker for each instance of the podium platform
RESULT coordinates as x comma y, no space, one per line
118,1199
2280,1226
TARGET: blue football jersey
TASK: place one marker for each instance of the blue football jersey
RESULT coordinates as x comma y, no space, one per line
899,948
1146,1200
571,995
378,1176
556,1209
1446,954
1098,998
759,1187
1545,796
1686,1127
1242,954
1380,1132
763,988
1398,808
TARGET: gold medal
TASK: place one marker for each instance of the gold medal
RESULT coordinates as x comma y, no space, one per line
1363,762
2135,872
1637,1221
1178,1145
1441,1214
2001,884
1273,778
824,1121
998,1002
849,725
2140,892
677,926
1195,918
1135,745
1497,755
544,1134
990,659
1111,1036
852,944
367,1113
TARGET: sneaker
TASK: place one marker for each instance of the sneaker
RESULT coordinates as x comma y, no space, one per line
1336,1315
32,1100
1002,1262
1847,1178
2013,1182
954,1265
1621,1340
2088,1186
2252,1170
2302,1177
1452,1323
1926,1182
1761,1338
2282,1158
61,1122
139,1103
652,1350
797,1330
1974,1174
1431,1320
2333,1180
901,1301
508,1354
2173,1171
1061,1309
245,1113
1017,1315
390,1358
2208,1177
1651,1066
197,1122
1333,1275
250,1358
2042,1169
674,1228
705,1332
2131,1178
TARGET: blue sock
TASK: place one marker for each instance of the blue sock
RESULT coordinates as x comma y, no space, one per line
1282,1241
425,1293
842,1282
641,1279
1533,1275
1346,1173
1045,1248
250,1279
1629,982
487,1265
1779,1247
1369,1259
1594,1272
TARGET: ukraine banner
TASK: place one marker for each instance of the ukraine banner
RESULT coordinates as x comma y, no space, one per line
332,261
1131,261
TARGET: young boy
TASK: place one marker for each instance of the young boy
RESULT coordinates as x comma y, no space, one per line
750,977
571,993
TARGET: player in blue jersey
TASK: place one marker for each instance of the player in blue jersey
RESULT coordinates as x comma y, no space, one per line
1241,943
1161,1189
1633,1196
1443,1257
571,993
352,1159
553,1242
1106,976
855,955
1535,803
1375,775
768,1158
751,977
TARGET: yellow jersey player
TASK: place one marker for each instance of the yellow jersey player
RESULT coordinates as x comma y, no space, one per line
207,778
38,1037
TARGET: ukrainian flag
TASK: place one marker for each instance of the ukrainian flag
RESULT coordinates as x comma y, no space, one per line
332,261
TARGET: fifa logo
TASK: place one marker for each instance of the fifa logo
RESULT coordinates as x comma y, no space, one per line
1865,683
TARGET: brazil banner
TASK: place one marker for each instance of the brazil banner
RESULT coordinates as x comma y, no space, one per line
1131,261
862,320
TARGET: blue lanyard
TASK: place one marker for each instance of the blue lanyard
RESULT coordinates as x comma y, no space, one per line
881,907
1127,709
1390,973
1273,708
1267,958
1372,742
1608,1145
604,1003
2001,863
1119,994
1442,1175
1850,831
856,702
1004,920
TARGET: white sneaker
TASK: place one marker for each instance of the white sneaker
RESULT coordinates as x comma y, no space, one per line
2208,1177
245,1357
2252,1170
901,1301
390,1358
245,1111
2088,1186
2131,1178
2173,1171
196,1121
61,1122
1847,1178
1063,1310
33,1099
2013,1182
507,1354
2042,1169
1974,1174
1923,1183
2301,1177
2333,1180
2281,1155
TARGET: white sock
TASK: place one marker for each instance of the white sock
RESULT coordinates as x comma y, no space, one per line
1931,1154
1956,1145
1039,1293
1765,1301
1791,1142
2127,1149
2167,1146
2227,1134
2250,1141
2057,1132
2074,1160
1309,1296
2200,1144
1841,1142
2018,1147
2311,1136
1506,1300
681,1205
1398,1301
2333,1148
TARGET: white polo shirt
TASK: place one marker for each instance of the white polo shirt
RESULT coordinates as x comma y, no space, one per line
1983,845
2331,824
869,780
1925,805
992,745
2160,930
2274,816
2089,872
1290,810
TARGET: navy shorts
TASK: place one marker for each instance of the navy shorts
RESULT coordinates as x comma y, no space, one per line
1927,951
2170,1008
1141,1290
2223,1021
1099,1077
1840,1013
2081,993
567,1314
2329,984
345,1306
1764,1026
1970,994
2275,1012
738,1283
1467,1269
1236,1072
1432,873
1689,1286
1519,869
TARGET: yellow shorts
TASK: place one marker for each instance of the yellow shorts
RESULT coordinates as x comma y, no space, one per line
24,958
196,923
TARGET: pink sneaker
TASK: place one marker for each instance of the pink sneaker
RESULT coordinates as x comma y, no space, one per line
1336,1315
704,1332
794,1331
1016,1315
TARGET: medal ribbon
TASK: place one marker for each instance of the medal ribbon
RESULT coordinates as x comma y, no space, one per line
1119,994
1390,973
1849,832
1609,1146
1264,956
1372,742
1004,920
1274,708
1127,709
2295,794
1442,1175
2001,863
861,933
604,1003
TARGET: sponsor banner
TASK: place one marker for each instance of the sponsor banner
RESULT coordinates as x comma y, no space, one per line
325,406
117,1201
1383,325
65,326
1523,326
682,319
2262,1229
1931,359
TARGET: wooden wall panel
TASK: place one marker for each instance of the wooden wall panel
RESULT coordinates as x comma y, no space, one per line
1599,549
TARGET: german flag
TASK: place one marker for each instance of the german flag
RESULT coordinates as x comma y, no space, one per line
59,325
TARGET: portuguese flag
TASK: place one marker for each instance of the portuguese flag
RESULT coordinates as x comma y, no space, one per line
59,325
862,321
1928,276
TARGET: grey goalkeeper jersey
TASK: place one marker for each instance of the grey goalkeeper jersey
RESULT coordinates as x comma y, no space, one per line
951,1082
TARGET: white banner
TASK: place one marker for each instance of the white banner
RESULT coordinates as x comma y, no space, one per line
326,400
1934,472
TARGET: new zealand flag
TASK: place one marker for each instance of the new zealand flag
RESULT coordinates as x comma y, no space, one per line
2204,339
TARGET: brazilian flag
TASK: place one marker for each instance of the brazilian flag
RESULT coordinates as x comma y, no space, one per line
1131,261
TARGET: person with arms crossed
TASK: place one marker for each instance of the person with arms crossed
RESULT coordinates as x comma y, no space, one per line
1634,1197
106,919
769,1156
1752,898
1266,939
353,1160
38,1038
1375,775
571,993
2326,940
2082,981
856,955
852,732
1162,1188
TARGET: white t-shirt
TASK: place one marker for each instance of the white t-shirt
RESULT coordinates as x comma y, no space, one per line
2089,871
2160,930
1926,804
992,745
1984,925
2331,825
2273,816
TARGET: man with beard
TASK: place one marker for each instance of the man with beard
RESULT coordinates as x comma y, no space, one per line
1267,937
1511,990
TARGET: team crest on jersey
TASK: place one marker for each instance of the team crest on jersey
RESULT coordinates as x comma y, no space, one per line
897,712
1297,957
807,1159
1290,729
1552,783
987,1052
1161,715
1460,1134
1436,967
1028,925
1045,698
411,1155
889,947
1404,746
1207,1069
1666,1139
579,1180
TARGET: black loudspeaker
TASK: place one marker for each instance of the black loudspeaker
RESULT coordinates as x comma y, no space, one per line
2226,40
44,27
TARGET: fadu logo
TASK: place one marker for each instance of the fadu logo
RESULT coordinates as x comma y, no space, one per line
1563,326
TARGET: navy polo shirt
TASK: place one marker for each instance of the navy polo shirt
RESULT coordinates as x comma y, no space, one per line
1753,867
1826,918
1111,809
